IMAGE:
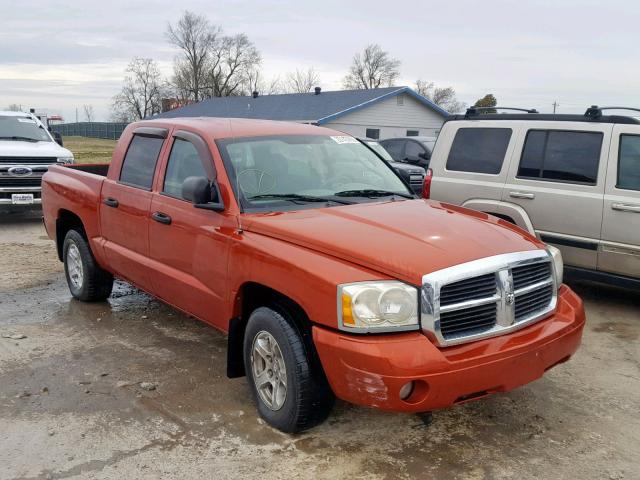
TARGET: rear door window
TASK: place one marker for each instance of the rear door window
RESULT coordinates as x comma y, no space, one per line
139,163
394,147
561,156
629,163
479,150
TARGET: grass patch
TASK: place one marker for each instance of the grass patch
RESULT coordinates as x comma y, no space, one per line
90,150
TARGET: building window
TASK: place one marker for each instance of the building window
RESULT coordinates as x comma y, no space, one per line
373,133
413,133
400,100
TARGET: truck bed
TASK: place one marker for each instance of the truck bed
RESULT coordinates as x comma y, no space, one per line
94,168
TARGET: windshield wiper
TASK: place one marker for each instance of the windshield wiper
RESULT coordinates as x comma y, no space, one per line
26,139
372,193
296,197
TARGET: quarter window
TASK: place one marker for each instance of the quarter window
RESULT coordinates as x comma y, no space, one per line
139,163
479,150
184,162
562,156
629,163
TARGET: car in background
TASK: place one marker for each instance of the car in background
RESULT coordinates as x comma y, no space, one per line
27,149
411,174
573,181
414,150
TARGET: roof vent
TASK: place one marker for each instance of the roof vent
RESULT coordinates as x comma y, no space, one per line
254,94
317,90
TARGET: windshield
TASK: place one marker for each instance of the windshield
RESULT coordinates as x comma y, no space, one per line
379,149
23,129
297,171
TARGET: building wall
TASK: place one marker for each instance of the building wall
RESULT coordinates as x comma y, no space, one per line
391,118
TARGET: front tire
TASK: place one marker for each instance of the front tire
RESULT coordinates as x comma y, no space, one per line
86,280
290,396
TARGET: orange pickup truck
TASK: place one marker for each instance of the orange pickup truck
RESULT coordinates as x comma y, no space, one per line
330,277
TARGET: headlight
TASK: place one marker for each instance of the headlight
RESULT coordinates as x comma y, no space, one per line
558,264
65,159
377,306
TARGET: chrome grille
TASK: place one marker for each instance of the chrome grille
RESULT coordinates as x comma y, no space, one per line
470,289
473,319
532,302
20,181
487,297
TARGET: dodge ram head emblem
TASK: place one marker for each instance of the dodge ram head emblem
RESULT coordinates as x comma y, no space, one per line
510,298
20,171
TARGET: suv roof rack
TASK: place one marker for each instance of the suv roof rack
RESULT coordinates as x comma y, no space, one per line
473,110
595,111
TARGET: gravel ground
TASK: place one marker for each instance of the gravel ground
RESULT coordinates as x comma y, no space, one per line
73,403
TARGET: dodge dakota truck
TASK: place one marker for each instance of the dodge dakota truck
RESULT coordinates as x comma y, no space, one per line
329,276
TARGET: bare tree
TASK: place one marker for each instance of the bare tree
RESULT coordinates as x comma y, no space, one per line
14,107
195,37
371,69
444,97
141,94
255,82
233,59
302,81
88,113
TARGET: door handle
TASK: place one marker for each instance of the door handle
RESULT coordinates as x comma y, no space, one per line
623,207
526,195
111,202
161,218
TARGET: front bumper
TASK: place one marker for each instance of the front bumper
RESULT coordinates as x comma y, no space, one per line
7,192
371,370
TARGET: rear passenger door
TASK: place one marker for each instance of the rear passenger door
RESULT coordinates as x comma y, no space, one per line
620,239
559,181
124,208
474,171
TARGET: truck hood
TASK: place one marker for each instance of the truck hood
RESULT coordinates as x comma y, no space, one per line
13,148
402,239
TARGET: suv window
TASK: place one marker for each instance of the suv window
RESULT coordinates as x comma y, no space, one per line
394,147
563,156
139,163
479,150
629,162
184,162
413,150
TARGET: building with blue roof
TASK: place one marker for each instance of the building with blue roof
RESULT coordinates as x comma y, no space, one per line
375,113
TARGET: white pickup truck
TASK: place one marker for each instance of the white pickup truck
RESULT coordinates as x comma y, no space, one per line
27,150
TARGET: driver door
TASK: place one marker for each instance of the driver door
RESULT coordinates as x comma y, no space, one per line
188,245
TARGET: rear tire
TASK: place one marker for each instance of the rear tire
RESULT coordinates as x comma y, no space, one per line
86,280
275,354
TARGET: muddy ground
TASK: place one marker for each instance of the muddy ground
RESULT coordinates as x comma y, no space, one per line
72,405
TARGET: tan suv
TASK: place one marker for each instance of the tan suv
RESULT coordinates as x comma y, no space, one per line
571,180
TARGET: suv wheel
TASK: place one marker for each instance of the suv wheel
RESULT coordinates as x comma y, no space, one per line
290,396
86,280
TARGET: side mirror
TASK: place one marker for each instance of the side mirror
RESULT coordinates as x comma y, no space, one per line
58,138
202,193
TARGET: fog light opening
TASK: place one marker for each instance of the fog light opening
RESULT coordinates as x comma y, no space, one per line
406,390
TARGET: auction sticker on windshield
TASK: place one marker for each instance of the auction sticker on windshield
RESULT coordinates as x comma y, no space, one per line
344,139
22,198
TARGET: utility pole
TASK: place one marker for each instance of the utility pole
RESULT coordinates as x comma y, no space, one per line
555,105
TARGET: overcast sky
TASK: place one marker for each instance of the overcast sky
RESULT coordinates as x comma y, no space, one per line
59,55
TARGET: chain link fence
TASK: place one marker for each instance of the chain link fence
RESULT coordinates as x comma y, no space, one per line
91,129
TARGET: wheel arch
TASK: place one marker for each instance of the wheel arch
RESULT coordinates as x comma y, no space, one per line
67,220
507,211
250,296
